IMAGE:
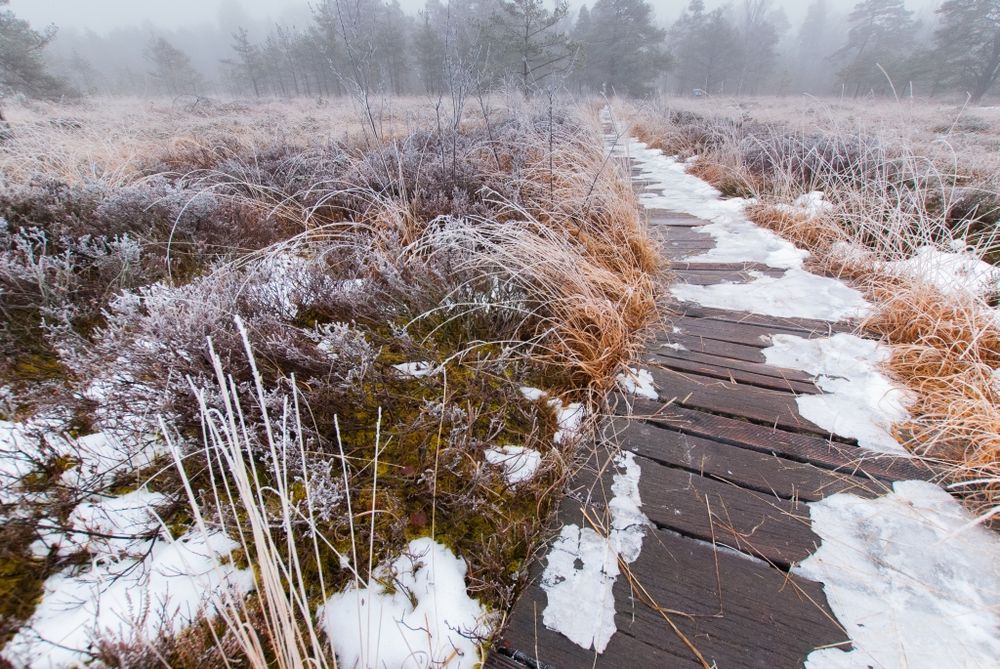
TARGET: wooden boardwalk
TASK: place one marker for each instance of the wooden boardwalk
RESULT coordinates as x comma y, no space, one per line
728,465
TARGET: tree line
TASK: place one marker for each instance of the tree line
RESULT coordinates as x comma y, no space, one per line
880,47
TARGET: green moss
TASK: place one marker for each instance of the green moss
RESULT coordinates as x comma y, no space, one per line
22,577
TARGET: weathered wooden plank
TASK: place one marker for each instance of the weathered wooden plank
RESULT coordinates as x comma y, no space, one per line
679,362
495,660
739,613
654,215
741,332
765,406
763,472
758,524
806,325
714,347
728,266
793,445
710,278
757,368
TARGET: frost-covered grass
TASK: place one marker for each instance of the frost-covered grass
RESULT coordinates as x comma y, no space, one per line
399,287
901,198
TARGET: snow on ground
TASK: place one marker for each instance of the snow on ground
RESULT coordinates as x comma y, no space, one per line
911,581
796,293
425,619
569,416
582,565
812,204
519,462
859,401
96,457
416,370
957,273
638,382
132,586
738,240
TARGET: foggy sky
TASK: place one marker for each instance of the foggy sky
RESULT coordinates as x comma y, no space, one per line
105,15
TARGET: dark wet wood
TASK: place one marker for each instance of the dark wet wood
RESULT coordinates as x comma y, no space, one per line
796,446
763,472
688,363
754,403
737,611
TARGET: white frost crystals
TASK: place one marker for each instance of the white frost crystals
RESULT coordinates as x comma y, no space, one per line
859,401
911,581
582,565
425,619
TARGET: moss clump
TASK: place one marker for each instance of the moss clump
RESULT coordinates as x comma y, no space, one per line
22,577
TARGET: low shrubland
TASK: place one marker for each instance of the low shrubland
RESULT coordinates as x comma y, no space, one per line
361,306
908,209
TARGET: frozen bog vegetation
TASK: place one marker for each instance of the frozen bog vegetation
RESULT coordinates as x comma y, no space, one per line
275,379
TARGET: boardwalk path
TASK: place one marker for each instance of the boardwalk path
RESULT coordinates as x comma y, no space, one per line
727,467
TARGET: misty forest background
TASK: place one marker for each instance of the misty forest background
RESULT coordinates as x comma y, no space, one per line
748,47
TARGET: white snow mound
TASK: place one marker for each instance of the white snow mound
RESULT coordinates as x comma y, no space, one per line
426,620
795,294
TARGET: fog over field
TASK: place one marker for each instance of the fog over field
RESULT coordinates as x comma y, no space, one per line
745,47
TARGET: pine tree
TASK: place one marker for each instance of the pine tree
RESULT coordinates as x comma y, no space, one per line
526,40
248,63
705,48
815,48
759,31
879,37
172,68
968,45
623,51
22,68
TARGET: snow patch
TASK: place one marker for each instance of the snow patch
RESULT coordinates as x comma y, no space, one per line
812,205
426,619
415,370
910,580
738,240
582,565
569,419
796,293
519,462
958,273
532,394
132,587
638,382
860,402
